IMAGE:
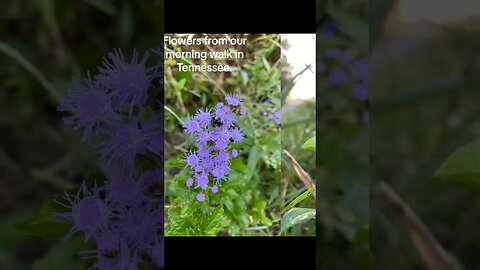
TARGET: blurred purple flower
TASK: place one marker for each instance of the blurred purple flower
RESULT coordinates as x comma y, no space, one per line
338,77
89,213
128,81
200,197
125,222
360,91
90,105
336,53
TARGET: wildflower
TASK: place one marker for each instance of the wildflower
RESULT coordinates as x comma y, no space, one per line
203,117
202,181
212,138
233,100
338,77
124,142
360,91
128,81
191,126
200,197
192,159
90,105
108,241
189,182
124,192
243,111
88,213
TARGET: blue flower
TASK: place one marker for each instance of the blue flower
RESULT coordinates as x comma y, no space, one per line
128,81
90,106
233,100
191,126
124,142
338,76
89,213
212,138
200,197
243,111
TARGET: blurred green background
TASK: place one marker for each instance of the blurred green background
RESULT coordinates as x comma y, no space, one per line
425,98
42,45
343,173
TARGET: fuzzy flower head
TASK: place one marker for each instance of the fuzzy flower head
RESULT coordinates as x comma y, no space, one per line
124,142
272,113
233,100
88,213
90,105
129,81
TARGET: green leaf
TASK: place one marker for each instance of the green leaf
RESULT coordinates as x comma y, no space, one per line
253,158
43,225
238,165
299,199
103,5
310,144
214,222
463,165
297,216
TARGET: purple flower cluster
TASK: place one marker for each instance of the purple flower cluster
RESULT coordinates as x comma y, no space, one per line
213,130
273,114
121,115
343,70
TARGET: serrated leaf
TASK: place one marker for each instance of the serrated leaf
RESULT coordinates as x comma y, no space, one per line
189,204
463,165
213,223
310,144
297,216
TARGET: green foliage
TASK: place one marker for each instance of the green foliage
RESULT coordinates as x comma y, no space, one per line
43,225
297,216
463,165
310,144
299,199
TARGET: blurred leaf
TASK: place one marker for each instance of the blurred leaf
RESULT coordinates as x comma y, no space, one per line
297,216
126,22
238,165
310,144
463,165
175,163
18,57
349,24
103,5
63,256
173,113
253,159
299,199
43,225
